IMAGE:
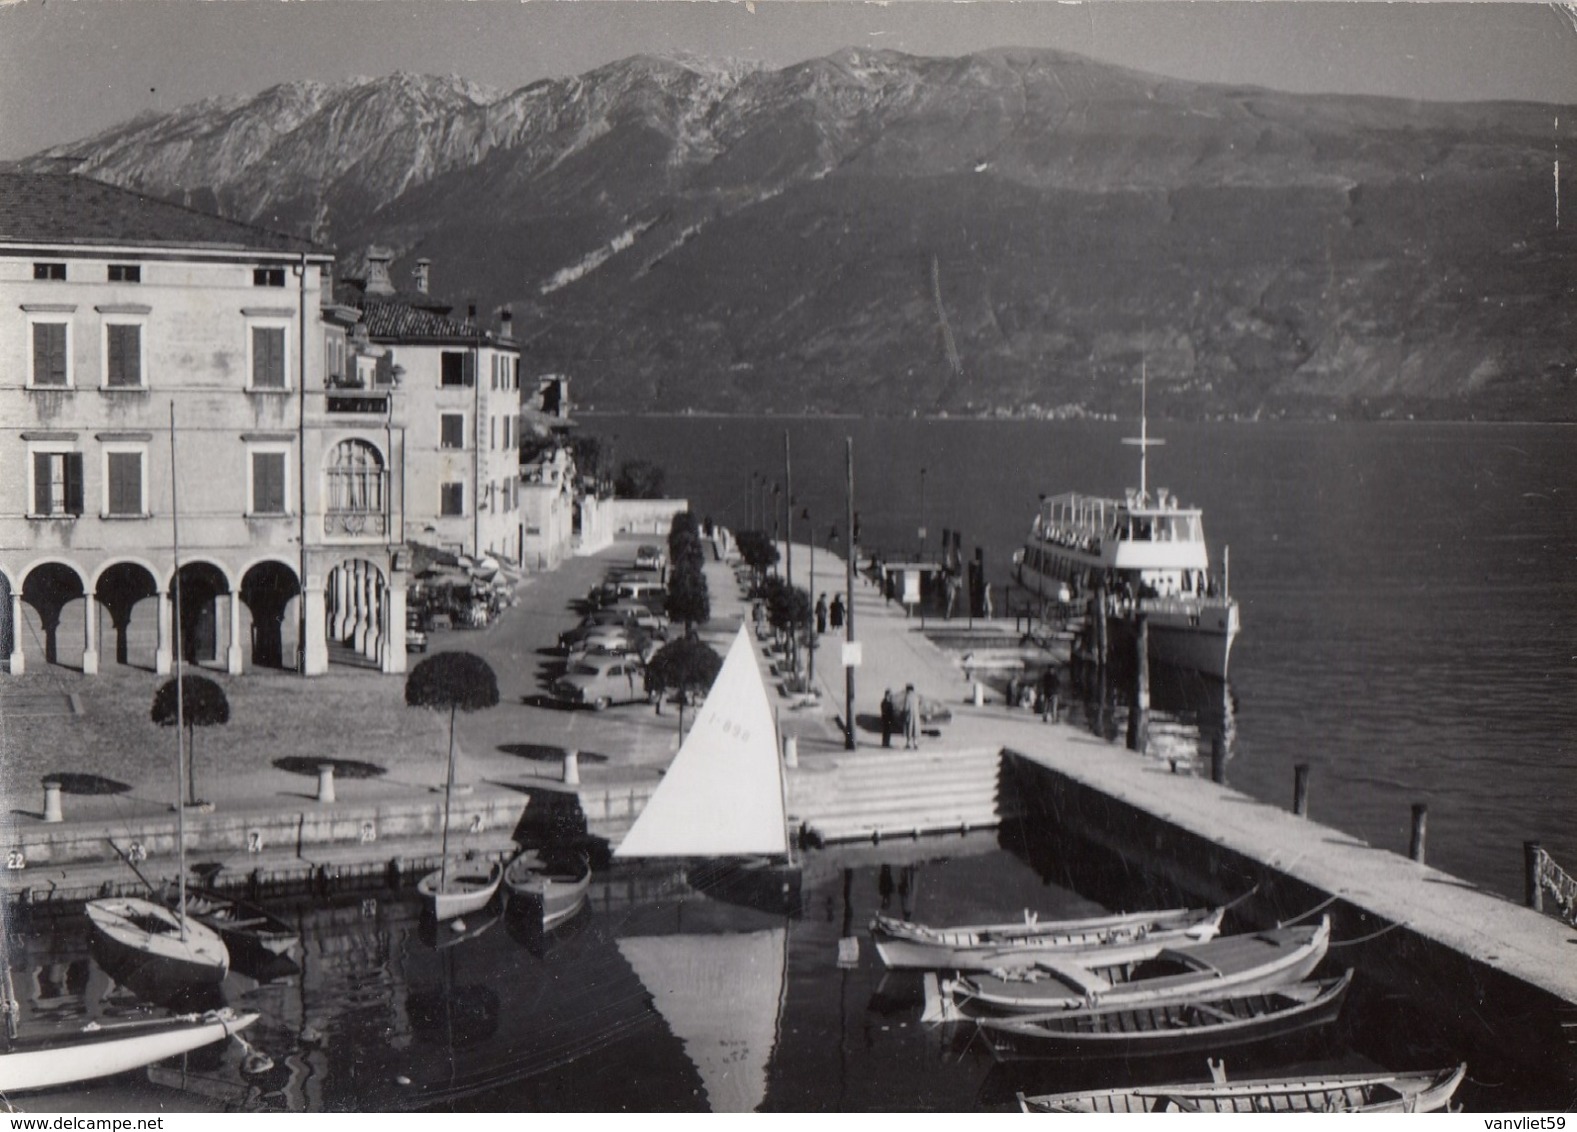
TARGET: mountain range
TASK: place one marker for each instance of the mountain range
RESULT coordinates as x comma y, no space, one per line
1014,231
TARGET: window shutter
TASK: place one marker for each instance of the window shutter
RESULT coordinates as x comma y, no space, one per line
268,357
49,353
468,367
125,494
125,360
268,483
73,483
40,483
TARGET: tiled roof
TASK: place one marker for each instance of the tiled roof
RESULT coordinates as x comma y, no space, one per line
63,208
390,318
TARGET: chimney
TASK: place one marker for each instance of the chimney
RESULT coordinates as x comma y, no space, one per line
420,271
378,281
506,323
470,316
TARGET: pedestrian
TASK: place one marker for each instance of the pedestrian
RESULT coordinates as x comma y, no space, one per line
889,711
987,602
821,614
835,618
911,719
1050,688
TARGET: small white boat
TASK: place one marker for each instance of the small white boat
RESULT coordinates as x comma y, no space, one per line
47,1060
461,886
1428,1091
550,889
981,947
154,947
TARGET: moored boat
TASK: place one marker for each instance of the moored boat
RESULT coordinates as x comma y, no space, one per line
1204,1024
461,886
251,934
1140,555
1428,1091
981,947
49,1058
1143,975
549,888
154,948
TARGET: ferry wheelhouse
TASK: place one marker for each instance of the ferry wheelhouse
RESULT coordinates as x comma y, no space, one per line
1144,555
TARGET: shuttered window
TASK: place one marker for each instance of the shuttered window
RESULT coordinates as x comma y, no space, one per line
268,357
453,499
124,367
49,353
124,494
268,483
451,430
57,483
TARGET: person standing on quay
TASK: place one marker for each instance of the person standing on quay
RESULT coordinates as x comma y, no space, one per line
821,615
911,719
835,618
888,712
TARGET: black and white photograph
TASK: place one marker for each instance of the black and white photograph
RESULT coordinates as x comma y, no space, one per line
802,556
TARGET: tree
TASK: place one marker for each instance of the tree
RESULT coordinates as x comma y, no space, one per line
639,479
687,666
688,599
459,681
788,607
202,703
758,551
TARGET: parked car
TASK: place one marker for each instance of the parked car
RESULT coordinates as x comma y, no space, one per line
641,616
600,680
590,621
650,558
415,631
613,639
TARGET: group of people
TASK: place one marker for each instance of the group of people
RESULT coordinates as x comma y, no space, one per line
1041,696
832,614
906,712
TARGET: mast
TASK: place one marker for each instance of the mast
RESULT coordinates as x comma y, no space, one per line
1143,441
180,696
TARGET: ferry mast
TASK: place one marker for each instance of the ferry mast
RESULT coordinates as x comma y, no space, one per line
1143,441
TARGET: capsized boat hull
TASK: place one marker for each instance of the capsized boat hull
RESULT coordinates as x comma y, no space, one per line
551,891
67,1058
1203,1025
982,947
1429,1091
469,887
142,944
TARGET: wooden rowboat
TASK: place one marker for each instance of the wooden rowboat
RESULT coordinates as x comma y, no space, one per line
1143,975
463,886
48,1059
252,934
550,890
982,947
1429,1091
1200,1025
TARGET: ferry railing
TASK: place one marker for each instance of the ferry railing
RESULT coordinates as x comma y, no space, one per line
1547,879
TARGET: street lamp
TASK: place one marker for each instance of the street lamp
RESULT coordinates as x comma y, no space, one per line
922,514
1040,562
810,613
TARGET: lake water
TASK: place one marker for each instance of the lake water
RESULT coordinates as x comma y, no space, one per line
1408,591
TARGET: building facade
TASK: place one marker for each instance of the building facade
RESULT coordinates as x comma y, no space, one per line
200,450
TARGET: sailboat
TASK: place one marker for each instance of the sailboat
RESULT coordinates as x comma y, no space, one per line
160,950
723,797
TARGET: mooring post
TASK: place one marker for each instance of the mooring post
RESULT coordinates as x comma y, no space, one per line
572,768
1139,715
1415,849
791,751
1532,852
52,812
1300,790
1218,761
326,782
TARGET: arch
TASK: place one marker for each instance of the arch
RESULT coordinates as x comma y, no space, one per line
49,586
157,573
357,610
268,587
199,585
121,587
355,488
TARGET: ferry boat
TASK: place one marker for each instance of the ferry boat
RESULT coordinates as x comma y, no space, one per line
1146,555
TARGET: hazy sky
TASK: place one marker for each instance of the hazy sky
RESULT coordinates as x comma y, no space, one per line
71,67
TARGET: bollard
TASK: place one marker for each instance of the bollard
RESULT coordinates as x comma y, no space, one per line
979,694
325,782
1300,790
1218,761
1415,848
572,768
791,751
1532,858
52,801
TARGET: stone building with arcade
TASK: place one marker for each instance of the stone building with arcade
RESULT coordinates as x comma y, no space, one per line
165,372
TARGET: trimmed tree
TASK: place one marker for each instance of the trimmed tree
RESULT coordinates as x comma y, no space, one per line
686,666
758,552
202,703
688,599
459,681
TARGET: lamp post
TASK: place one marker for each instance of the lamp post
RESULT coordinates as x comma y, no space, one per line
777,489
1040,563
922,514
848,614
810,662
750,503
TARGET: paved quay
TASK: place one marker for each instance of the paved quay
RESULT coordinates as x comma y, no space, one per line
1183,827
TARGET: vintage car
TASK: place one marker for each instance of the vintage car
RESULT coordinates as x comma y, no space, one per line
599,680
650,558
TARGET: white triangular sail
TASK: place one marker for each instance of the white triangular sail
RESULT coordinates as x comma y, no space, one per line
720,995
723,793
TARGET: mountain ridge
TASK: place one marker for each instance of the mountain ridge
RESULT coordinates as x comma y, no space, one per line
1009,231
